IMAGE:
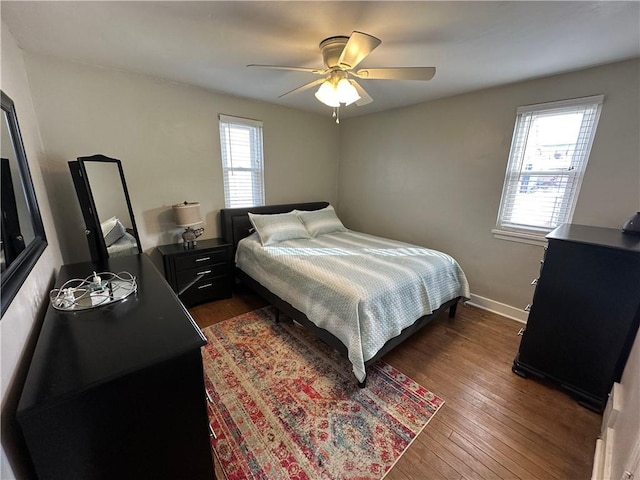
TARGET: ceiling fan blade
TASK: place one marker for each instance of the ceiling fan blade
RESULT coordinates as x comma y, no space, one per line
357,48
304,87
396,73
364,96
284,67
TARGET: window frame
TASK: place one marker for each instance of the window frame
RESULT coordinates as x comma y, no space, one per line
257,159
509,230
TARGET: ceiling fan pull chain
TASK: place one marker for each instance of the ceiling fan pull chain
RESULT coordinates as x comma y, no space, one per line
336,113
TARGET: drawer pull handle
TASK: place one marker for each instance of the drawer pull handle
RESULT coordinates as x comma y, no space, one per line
521,332
212,433
527,308
203,259
209,399
206,285
209,271
534,282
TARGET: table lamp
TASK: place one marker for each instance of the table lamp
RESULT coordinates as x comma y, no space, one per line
187,215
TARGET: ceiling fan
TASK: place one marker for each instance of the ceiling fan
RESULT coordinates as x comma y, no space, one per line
341,56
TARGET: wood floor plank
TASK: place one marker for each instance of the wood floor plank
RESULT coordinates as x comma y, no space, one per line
482,457
462,462
487,404
494,424
492,380
481,404
492,442
506,442
427,457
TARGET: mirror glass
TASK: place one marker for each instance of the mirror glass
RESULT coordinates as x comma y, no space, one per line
110,202
106,207
22,233
17,230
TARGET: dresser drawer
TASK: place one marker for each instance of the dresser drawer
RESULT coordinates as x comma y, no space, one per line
200,259
206,290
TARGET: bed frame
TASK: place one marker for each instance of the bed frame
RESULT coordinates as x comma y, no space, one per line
236,226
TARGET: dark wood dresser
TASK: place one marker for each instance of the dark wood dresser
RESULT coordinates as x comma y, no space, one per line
117,391
585,311
200,274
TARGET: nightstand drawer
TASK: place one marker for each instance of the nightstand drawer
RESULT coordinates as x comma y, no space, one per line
205,271
206,290
201,259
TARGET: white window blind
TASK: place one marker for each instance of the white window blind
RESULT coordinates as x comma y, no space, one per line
242,161
549,153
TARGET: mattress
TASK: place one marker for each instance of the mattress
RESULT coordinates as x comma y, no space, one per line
363,289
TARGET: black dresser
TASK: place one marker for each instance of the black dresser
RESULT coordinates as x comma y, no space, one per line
585,312
200,274
117,391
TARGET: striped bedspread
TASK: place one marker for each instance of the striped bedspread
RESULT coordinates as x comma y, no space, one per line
363,289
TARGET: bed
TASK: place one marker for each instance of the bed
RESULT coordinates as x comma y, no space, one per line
118,239
361,294
125,245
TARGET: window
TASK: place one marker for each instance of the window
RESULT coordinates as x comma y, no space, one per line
549,153
242,162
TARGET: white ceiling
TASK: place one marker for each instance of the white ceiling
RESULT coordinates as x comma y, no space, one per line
473,44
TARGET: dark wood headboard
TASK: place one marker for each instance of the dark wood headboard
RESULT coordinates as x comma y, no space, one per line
235,222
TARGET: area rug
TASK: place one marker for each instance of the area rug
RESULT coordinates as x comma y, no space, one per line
284,405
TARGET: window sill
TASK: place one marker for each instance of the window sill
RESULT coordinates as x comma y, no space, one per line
520,237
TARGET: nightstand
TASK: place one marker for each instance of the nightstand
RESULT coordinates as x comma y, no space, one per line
200,274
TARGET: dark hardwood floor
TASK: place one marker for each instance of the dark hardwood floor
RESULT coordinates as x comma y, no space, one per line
493,424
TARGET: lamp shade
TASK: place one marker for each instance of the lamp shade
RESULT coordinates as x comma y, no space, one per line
327,95
346,92
187,214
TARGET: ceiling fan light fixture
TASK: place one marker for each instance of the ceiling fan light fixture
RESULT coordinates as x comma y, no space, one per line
341,56
346,92
333,95
327,95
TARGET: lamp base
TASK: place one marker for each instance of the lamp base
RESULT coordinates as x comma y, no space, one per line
189,237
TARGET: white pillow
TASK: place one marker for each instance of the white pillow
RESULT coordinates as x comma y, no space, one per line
278,227
112,230
318,222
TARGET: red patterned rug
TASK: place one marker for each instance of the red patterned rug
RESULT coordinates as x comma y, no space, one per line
286,406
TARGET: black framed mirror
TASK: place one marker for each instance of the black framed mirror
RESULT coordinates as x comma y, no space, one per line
23,238
106,207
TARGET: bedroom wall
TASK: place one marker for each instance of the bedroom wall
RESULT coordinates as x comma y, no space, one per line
432,174
22,318
166,135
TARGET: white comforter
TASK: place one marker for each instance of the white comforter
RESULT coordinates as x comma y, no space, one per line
363,289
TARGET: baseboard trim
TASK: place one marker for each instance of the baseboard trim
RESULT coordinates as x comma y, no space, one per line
503,309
